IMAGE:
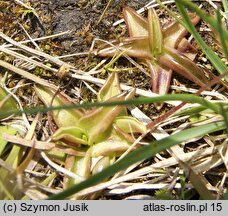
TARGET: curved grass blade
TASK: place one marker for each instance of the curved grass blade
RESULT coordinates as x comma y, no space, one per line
214,59
137,101
221,35
203,15
225,6
224,112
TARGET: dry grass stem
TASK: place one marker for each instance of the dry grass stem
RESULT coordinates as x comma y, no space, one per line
61,169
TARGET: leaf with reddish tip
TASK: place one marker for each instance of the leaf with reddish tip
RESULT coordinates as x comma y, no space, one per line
160,78
135,47
187,49
64,117
162,50
163,82
184,66
174,33
136,24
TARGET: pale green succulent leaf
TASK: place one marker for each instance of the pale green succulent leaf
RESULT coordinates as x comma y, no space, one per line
8,130
114,144
7,103
110,89
83,164
130,125
63,117
98,122
72,134
155,33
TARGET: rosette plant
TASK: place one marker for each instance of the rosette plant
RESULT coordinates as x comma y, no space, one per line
101,133
163,50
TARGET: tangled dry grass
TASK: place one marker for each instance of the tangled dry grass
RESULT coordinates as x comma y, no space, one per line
33,166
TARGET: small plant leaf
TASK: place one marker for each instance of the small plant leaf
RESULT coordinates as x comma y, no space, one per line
98,123
134,46
130,125
136,24
8,130
110,89
184,66
187,49
160,77
155,33
7,103
63,118
174,33
114,144
72,134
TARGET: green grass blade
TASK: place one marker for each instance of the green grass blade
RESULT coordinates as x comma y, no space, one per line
225,6
213,58
141,154
226,194
224,110
137,101
221,35
203,15
191,111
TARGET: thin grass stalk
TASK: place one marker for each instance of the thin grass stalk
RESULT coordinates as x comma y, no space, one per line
137,101
221,36
225,6
203,15
211,55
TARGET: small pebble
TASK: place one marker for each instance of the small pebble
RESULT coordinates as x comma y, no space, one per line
204,59
208,67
